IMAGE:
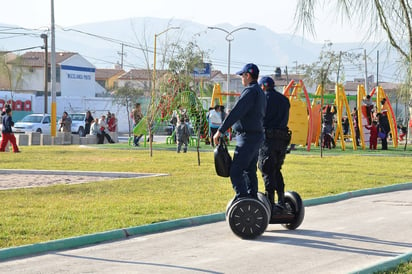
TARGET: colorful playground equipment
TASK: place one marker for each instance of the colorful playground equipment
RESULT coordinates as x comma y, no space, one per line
341,102
217,95
164,111
196,113
363,116
305,118
301,121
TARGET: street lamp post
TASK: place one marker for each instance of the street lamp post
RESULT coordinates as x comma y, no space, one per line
229,38
46,66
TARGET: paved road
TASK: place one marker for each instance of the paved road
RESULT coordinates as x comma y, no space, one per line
338,237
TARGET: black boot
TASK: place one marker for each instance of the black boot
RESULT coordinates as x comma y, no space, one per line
281,198
271,197
280,207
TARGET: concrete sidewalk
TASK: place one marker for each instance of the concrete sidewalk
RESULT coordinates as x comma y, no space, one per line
341,237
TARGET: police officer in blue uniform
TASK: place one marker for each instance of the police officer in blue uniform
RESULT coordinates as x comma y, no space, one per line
277,137
246,118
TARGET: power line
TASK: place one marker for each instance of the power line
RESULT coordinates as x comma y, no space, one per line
22,49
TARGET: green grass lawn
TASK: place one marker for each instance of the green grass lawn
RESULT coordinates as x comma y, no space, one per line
35,215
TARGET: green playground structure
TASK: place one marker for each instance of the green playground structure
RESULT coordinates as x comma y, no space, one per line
194,109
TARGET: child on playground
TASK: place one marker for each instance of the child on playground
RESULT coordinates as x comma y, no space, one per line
373,138
403,130
182,135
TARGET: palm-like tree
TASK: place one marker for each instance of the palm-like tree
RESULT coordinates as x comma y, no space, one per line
392,17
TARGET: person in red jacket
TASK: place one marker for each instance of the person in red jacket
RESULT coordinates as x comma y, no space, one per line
112,123
373,139
7,132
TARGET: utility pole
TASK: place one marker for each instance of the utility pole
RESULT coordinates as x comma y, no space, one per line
287,74
296,66
366,72
377,68
53,74
121,55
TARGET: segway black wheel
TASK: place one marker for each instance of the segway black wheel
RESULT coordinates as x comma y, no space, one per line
248,218
229,204
294,204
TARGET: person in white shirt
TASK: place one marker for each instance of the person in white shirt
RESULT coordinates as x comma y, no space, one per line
103,131
215,120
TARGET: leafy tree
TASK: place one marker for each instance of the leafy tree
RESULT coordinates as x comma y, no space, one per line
329,64
163,50
179,78
179,61
11,71
184,63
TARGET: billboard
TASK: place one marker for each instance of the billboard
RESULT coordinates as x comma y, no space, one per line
203,71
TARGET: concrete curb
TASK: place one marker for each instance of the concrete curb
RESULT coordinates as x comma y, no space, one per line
386,265
356,193
118,234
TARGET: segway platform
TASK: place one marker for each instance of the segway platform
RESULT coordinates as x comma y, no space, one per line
248,218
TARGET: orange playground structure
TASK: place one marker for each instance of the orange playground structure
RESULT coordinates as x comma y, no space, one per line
305,116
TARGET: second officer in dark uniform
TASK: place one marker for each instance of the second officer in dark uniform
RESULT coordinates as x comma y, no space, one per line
277,138
247,120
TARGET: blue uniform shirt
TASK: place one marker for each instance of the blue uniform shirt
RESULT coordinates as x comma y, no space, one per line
248,112
7,124
277,110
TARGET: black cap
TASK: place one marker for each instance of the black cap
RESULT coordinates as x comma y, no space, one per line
250,68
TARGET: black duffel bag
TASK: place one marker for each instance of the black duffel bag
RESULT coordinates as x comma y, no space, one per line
223,160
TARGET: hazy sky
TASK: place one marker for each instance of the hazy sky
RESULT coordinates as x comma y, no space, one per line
277,15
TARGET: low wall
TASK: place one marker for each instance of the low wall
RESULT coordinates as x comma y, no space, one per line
35,138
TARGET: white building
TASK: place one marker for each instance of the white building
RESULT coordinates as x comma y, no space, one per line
75,76
76,87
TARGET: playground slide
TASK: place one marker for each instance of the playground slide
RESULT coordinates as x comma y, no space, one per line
392,121
316,123
389,111
298,122
141,127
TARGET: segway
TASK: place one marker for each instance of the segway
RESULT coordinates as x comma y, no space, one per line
248,218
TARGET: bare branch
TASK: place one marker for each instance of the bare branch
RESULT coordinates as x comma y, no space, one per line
385,25
305,15
408,24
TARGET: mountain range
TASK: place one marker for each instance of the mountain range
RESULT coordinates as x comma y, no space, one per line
105,43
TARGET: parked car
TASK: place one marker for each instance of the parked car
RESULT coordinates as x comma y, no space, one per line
35,123
78,124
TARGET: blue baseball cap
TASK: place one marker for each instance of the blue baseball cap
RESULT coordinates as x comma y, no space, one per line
250,68
267,82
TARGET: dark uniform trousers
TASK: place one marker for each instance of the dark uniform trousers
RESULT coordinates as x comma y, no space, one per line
243,168
272,154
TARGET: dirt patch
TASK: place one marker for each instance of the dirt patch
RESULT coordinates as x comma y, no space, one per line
12,179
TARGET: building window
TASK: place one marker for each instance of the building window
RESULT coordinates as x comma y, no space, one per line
57,75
